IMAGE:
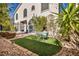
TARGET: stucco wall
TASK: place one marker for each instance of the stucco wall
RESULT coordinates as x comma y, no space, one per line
53,7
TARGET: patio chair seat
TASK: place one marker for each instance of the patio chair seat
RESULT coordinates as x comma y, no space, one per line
43,34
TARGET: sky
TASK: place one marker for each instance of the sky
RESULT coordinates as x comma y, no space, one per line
64,5
12,7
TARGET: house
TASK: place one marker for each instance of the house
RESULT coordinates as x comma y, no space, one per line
24,13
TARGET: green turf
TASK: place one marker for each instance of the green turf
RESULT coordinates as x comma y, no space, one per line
40,46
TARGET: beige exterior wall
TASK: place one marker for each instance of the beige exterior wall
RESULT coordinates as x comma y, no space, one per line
53,7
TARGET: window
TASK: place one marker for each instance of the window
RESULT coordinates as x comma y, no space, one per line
33,8
44,6
25,13
16,16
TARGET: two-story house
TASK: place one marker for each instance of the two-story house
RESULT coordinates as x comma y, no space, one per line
24,13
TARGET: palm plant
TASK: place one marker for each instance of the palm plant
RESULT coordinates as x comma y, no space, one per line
68,20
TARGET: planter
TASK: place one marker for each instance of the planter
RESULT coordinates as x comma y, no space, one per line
7,35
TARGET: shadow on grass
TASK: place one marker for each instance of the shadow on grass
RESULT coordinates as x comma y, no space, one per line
40,48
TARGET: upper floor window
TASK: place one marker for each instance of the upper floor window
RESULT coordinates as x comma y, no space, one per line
17,16
25,13
44,6
33,8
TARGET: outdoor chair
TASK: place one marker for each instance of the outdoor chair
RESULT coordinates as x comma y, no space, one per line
43,34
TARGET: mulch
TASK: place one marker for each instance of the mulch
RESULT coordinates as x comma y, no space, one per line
8,49
68,52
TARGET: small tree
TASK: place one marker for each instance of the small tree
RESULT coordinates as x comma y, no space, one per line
4,17
39,22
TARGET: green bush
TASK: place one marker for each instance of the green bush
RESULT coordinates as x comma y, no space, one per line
39,23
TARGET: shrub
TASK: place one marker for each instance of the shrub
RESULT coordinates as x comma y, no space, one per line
7,35
39,23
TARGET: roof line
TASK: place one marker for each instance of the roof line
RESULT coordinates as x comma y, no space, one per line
17,8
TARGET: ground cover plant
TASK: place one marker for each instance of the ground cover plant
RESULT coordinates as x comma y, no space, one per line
39,46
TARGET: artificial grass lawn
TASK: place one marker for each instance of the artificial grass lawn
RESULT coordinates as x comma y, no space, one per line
39,46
